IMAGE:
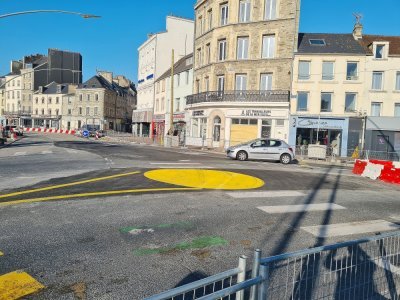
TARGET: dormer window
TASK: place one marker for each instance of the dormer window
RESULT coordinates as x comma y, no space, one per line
379,51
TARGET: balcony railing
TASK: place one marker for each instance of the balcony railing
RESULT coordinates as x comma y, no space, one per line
18,113
239,96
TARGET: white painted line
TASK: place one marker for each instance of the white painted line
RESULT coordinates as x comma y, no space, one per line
266,194
185,160
180,163
282,209
350,228
19,153
47,152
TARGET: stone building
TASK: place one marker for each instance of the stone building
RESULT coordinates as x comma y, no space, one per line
242,70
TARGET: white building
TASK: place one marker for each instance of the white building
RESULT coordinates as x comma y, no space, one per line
154,60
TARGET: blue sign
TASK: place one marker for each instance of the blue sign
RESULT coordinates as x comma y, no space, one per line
85,133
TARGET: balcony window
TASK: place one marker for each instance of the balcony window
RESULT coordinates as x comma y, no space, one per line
350,102
266,82
224,14
221,83
376,109
304,70
352,71
268,46
302,101
328,70
244,11
377,80
270,9
241,82
326,102
243,48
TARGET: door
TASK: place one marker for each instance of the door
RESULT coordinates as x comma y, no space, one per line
259,150
274,149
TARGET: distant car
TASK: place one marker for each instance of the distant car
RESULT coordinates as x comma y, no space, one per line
262,149
10,129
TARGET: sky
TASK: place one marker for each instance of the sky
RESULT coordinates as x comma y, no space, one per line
110,43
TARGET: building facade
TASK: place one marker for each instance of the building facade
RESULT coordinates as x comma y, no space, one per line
242,70
154,60
328,91
183,86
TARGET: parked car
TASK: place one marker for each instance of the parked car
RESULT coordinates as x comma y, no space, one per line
10,129
262,149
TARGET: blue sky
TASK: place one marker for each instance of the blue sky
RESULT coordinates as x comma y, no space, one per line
111,43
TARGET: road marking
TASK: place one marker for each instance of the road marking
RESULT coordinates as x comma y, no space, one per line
205,179
72,151
16,285
53,187
266,194
184,160
1,253
350,228
19,153
47,152
176,163
282,209
42,199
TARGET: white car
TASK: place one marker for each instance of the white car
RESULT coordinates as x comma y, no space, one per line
262,149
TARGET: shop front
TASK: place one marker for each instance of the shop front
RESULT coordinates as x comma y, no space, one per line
141,122
225,127
331,132
382,134
158,129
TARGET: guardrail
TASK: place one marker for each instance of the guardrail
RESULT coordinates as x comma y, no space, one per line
367,268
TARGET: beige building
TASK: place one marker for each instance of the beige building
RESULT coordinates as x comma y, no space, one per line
328,91
102,102
2,97
242,70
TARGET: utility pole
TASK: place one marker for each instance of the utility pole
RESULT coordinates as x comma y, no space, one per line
171,117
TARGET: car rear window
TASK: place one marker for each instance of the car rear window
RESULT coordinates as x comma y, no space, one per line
273,143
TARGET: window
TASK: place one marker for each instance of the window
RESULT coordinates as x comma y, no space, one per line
266,82
208,53
97,97
270,9
49,100
69,111
49,111
200,26
80,97
302,101
210,20
177,104
42,111
376,109
241,82
244,11
221,83
163,86
87,111
280,122
328,70
178,80
379,51
80,110
206,84
18,83
352,71
57,112
350,102
187,77
221,50
36,111
326,102
304,70
243,48
88,97
157,105
317,42
268,46
397,109
36,100
96,111
162,103
57,100
224,14
198,87
217,129
199,56
397,81
18,94
42,100
377,83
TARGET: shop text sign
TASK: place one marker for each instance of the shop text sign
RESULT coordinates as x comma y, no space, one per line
321,123
255,113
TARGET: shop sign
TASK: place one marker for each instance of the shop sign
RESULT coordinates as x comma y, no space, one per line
179,117
198,113
318,123
158,118
142,116
255,113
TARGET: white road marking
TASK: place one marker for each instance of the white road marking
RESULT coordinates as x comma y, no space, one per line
266,194
72,151
47,152
177,163
281,209
185,160
19,153
350,228
193,153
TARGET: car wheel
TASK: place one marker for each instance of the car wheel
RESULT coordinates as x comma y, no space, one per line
242,156
285,159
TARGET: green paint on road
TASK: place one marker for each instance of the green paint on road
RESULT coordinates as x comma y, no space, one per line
198,243
178,225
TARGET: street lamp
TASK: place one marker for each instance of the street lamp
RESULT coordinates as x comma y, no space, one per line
85,16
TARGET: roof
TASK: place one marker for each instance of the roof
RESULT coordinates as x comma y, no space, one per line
51,88
99,82
334,44
394,43
179,67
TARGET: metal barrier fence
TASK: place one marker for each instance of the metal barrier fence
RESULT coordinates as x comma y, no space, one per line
367,268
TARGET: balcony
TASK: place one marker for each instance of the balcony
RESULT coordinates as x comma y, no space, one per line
239,96
18,113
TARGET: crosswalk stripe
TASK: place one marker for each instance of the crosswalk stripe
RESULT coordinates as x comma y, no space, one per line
266,194
19,153
344,229
281,209
16,285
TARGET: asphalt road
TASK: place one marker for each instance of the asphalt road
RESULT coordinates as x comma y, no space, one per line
104,221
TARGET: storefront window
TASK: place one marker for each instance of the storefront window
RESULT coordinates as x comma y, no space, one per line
195,127
266,129
203,127
217,129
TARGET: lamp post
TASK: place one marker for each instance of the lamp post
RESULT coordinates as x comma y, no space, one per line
85,16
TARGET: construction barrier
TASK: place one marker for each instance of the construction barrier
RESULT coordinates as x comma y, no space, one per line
49,130
386,171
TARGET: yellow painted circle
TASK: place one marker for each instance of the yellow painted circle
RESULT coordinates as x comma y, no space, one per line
205,179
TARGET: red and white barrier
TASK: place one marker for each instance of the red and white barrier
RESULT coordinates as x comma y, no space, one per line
386,171
49,130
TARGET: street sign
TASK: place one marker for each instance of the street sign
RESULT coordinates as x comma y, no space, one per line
85,133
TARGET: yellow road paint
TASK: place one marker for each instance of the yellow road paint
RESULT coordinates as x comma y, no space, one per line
53,187
205,179
15,285
96,194
1,253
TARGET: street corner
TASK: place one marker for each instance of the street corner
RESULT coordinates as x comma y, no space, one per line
205,179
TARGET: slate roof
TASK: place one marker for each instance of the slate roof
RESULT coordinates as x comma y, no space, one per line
51,88
179,67
334,44
99,82
394,43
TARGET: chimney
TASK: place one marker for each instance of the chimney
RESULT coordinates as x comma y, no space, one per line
59,88
107,76
358,27
41,89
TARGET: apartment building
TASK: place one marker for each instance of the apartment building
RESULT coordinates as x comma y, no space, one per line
154,59
242,70
2,100
183,86
328,91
